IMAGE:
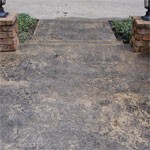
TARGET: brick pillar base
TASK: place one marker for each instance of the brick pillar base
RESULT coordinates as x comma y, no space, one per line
140,35
8,33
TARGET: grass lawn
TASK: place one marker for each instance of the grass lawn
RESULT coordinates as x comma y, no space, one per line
26,27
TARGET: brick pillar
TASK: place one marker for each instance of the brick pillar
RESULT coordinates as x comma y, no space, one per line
140,35
8,33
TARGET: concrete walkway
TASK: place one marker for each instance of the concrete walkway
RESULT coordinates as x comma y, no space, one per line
48,9
74,87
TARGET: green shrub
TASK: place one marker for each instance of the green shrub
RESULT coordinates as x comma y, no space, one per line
122,29
26,27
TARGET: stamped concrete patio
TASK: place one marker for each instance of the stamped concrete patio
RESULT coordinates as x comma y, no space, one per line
74,87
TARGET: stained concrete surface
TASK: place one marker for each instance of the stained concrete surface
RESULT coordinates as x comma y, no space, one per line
68,91
49,9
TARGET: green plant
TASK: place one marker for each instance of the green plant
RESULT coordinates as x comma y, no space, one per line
26,26
122,29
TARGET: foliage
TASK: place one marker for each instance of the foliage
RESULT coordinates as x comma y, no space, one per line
26,26
122,29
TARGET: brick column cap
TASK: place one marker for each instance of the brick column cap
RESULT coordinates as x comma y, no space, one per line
9,20
140,23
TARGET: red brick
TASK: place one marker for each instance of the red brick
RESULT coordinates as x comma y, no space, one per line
142,24
146,37
9,33
8,41
131,43
5,35
141,43
8,28
143,31
136,49
136,18
134,27
16,28
138,37
9,20
7,48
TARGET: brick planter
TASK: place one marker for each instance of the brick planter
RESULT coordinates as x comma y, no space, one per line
140,35
8,33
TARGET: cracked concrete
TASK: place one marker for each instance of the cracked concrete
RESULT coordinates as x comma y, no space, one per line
74,87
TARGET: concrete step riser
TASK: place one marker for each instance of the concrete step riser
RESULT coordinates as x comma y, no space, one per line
75,42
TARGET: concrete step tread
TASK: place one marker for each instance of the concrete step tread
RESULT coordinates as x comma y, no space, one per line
70,29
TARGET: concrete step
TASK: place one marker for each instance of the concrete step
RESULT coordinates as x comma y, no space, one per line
74,30
74,42
61,47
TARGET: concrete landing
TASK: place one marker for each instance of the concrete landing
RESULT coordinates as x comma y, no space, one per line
82,94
